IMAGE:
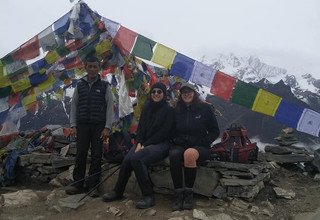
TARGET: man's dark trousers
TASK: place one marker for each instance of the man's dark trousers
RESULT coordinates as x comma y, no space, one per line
88,135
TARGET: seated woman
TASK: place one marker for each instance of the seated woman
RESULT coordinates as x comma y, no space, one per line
152,146
195,128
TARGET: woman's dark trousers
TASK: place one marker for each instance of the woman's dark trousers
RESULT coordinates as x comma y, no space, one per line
139,162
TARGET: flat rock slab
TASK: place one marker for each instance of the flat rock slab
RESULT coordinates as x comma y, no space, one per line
19,198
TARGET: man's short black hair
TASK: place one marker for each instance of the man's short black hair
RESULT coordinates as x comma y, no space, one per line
92,58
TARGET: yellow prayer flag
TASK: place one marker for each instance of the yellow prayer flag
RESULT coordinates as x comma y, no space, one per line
59,94
79,72
52,57
28,100
266,102
163,56
102,47
21,85
4,81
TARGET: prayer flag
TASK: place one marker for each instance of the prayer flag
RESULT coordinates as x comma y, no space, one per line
244,94
47,39
143,47
288,113
163,56
125,39
182,66
28,50
266,102
202,74
309,122
222,85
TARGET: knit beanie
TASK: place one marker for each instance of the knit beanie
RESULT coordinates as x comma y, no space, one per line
161,86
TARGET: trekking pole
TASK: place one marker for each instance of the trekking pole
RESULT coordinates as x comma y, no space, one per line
96,186
109,168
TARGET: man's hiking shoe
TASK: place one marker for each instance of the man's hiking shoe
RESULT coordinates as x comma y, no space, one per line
146,202
72,190
112,196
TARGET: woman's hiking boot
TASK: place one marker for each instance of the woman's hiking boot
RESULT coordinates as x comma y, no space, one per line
188,199
177,201
111,196
146,202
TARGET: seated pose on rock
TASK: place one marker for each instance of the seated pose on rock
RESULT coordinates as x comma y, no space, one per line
195,128
152,146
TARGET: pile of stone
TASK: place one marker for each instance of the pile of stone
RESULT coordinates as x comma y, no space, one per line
240,180
215,178
42,155
285,151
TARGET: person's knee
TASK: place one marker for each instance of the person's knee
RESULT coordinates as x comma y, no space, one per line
190,157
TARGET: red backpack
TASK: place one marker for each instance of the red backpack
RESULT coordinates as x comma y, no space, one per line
235,146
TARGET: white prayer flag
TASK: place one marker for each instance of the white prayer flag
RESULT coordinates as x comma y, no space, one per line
309,122
202,74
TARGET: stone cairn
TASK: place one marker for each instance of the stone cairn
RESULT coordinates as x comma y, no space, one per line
286,151
55,164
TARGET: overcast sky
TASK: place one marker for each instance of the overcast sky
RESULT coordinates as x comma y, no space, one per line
283,33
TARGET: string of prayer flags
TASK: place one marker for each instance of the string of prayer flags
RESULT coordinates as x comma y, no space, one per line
182,66
266,102
223,85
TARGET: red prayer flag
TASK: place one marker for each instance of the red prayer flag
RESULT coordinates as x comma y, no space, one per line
222,85
28,50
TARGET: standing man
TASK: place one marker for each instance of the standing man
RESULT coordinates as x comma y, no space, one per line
91,121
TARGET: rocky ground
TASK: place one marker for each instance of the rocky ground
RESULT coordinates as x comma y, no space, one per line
42,203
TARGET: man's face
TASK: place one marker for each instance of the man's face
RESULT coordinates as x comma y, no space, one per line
92,69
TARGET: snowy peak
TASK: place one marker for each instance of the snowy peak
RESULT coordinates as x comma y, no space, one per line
252,69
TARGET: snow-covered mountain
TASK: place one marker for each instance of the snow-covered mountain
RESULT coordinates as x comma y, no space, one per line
252,69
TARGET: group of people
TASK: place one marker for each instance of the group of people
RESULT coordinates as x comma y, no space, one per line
183,132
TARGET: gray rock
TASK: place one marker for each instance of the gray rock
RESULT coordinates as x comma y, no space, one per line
42,158
19,198
245,192
198,214
73,202
24,160
282,193
288,158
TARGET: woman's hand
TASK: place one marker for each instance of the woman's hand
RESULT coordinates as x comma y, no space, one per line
139,147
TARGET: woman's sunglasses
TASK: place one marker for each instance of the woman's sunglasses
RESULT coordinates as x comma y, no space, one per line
158,91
